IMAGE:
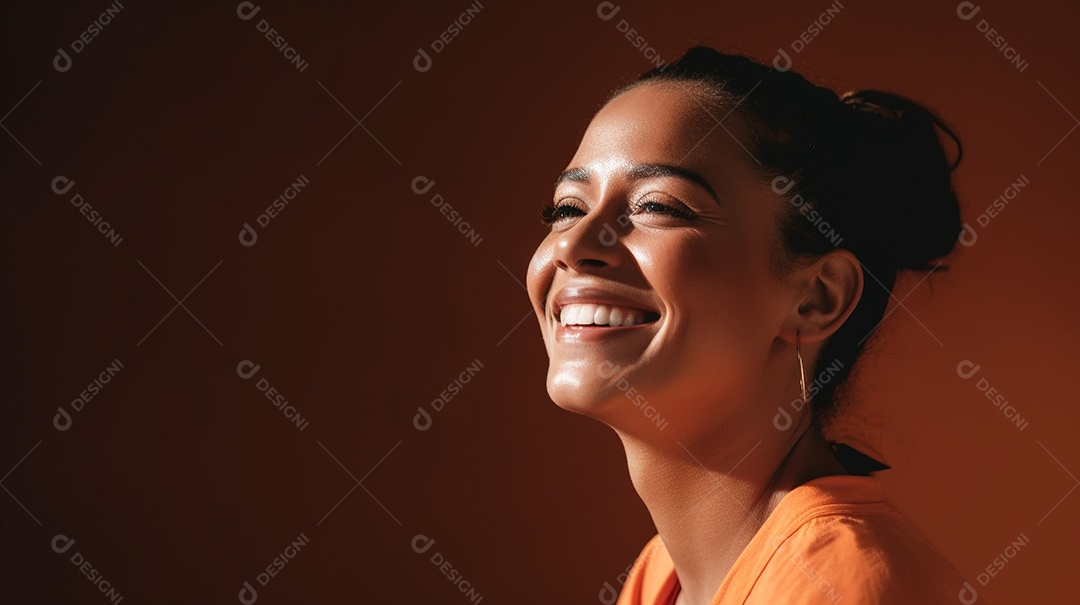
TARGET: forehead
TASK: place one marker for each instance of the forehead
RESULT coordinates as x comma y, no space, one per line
667,122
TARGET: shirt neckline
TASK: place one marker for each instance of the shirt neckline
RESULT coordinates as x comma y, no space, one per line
821,496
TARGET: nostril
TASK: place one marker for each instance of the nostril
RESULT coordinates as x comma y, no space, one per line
591,262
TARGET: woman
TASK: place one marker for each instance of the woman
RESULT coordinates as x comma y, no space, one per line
722,244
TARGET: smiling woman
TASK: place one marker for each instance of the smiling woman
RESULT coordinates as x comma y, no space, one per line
683,263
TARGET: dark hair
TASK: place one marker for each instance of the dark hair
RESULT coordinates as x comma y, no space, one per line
868,164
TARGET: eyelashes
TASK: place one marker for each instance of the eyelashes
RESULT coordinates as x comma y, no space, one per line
653,207
553,213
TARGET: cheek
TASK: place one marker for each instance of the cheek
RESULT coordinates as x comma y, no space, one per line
695,269
707,360
721,292
540,273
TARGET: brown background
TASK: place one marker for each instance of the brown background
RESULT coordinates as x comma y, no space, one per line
360,302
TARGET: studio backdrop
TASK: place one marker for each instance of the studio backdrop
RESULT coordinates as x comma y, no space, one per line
265,334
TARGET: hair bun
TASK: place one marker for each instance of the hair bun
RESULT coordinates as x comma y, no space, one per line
891,189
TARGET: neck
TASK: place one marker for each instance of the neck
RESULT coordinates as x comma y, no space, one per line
708,503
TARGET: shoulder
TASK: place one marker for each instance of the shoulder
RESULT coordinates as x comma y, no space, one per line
863,554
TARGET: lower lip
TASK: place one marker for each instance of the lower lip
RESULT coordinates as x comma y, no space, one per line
594,333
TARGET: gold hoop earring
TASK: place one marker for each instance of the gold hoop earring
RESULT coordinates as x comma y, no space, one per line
802,372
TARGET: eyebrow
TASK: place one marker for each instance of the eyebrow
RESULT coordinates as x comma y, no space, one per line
644,171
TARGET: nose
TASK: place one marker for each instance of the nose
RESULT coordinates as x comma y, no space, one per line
593,242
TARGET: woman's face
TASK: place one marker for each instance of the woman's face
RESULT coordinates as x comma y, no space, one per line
662,233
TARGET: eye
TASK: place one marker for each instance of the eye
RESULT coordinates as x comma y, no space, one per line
563,209
653,205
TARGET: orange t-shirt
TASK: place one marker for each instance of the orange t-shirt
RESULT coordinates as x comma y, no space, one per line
831,540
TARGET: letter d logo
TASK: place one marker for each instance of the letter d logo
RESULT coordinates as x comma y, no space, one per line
968,237
422,420
246,369
247,236
781,54
607,369
607,10
248,595
963,10
608,594
966,369
782,184
246,11
61,543
62,420
608,237
422,184
968,594
784,423
62,62
421,543
421,62
62,184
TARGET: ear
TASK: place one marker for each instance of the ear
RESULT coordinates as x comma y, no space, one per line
826,292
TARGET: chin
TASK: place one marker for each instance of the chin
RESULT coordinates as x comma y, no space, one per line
603,394
582,394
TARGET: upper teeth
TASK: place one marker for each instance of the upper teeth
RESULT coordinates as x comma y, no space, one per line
601,315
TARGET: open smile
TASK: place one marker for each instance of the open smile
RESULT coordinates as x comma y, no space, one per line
604,316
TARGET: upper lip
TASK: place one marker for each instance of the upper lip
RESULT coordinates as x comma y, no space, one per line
580,295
